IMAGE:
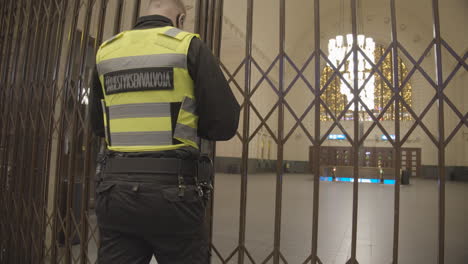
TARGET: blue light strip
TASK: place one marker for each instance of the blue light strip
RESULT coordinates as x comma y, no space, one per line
384,137
339,179
336,137
327,179
389,181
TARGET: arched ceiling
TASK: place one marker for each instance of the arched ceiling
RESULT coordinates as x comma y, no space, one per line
415,23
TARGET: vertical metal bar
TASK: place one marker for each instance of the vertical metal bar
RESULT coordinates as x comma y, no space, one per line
441,145
25,185
62,23
63,99
3,22
100,32
397,149
69,89
101,23
4,129
3,9
41,75
3,6
207,147
317,144
356,145
392,108
3,39
118,17
280,154
55,70
217,38
13,237
219,29
29,45
33,46
206,20
51,120
198,13
18,32
19,145
39,68
210,25
8,39
203,18
85,44
246,131
136,11
85,174
4,65
53,26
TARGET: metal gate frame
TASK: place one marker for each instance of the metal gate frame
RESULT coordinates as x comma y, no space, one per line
40,103
356,142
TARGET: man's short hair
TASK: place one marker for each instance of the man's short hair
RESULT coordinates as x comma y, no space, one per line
179,4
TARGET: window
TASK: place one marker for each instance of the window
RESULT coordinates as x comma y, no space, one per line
376,93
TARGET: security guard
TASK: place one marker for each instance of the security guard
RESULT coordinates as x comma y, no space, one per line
157,91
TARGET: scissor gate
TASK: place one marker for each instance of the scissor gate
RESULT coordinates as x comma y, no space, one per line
48,153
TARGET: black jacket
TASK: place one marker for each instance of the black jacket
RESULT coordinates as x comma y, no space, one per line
217,107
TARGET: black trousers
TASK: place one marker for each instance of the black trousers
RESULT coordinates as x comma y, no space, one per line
141,215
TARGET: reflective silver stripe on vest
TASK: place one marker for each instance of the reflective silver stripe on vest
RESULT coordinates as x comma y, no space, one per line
159,138
140,110
171,60
189,105
173,32
186,132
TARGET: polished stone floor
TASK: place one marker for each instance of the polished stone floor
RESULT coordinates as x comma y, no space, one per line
418,220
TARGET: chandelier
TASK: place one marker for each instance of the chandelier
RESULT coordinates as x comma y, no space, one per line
338,48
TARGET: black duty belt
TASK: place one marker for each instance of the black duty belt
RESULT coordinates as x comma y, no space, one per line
152,165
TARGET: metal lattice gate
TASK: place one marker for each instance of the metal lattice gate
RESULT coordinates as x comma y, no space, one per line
47,152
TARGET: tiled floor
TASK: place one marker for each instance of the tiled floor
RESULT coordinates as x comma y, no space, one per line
418,220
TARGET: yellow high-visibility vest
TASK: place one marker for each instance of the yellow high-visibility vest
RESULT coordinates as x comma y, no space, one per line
144,75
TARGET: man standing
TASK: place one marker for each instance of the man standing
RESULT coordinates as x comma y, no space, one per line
157,91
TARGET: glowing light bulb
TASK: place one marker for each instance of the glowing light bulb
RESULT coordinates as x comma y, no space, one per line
339,41
360,40
349,40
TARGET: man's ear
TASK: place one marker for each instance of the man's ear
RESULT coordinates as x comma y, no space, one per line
181,20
